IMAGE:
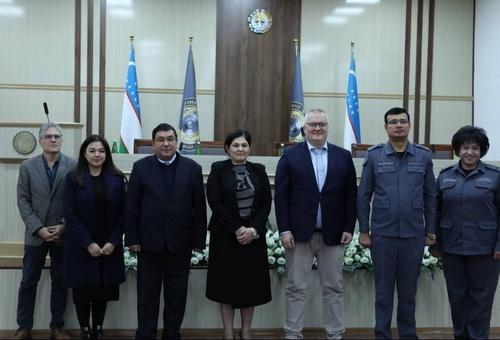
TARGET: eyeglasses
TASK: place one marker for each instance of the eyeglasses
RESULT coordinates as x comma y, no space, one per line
56,137
170,140
396,121
320,125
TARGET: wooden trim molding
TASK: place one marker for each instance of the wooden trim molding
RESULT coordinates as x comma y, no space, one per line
430,61
406,71
38,124
90,64
418,72
102,68
78,61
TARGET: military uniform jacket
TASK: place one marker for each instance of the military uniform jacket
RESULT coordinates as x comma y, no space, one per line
468,210
403,190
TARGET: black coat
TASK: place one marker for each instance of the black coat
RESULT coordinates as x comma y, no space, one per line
156,217
80,269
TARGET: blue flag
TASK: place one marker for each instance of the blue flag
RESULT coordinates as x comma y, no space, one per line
297,105
352,130
188,122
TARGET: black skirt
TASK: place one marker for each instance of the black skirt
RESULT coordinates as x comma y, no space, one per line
238,275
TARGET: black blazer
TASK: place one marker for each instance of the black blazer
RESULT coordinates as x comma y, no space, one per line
156,217
221,195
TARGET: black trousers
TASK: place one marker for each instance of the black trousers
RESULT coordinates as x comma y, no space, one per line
155,269
471,282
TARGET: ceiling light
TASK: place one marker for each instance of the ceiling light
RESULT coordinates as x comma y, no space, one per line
368,2
11,11
334,19
119,3
348,10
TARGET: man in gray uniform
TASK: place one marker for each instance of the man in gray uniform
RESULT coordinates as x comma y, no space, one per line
40,189
398,176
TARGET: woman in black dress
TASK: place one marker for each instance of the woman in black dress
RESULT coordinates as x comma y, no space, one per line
93,250
239,195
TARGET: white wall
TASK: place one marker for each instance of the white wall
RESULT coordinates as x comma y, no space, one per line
487,72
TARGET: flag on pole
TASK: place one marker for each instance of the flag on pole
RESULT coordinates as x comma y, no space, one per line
188,121
131,114
297,117
352,130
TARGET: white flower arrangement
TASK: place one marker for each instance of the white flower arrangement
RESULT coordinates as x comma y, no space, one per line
356,257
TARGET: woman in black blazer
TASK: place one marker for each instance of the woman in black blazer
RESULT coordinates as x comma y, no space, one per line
239,195
93,248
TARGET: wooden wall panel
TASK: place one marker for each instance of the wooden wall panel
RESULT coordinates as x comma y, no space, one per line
254,73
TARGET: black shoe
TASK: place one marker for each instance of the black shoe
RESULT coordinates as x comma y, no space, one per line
97,333
85,333
22,333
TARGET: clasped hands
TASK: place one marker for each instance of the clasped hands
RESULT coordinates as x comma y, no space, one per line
289,243
51,233
244,235
96,251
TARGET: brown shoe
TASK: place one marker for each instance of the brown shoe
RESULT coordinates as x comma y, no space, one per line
22,333
59,333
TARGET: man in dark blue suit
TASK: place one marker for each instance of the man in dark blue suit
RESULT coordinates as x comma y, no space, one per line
166,218
315,201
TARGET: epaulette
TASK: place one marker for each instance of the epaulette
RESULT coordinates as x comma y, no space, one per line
377,146
492,167
447,168
420,146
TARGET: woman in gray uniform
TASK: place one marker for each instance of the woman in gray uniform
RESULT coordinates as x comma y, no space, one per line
468,237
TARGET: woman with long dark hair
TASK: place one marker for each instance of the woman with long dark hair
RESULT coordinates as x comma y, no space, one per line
93,251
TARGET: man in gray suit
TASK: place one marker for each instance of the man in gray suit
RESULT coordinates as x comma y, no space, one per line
40,189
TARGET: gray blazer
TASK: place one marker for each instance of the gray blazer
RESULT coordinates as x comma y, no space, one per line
38,206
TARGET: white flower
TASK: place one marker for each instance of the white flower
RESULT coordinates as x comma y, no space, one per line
433,260
426,262
364,259
276,236
367,253
278,251
270,242
271,260
281,261
348,260
269,252
357,257
194,261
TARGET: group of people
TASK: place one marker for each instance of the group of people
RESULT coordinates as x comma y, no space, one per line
161,210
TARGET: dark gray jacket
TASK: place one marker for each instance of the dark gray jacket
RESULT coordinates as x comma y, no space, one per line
403,191
468,210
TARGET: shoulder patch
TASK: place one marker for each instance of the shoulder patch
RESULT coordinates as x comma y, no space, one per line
492,167
422,147
377,146
447,168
